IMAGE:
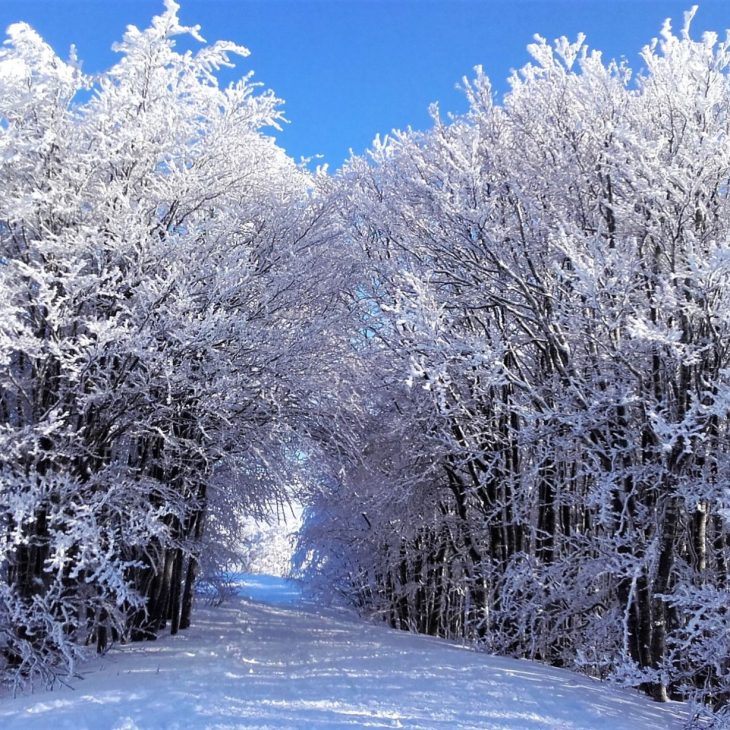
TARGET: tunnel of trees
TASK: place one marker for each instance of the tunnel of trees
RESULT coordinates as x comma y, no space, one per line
494,356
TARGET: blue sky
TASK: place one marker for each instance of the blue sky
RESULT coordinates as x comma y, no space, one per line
349,69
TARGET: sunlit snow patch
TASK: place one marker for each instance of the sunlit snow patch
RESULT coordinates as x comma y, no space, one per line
267,589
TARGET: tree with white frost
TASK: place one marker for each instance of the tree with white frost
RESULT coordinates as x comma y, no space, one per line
548,280
158,317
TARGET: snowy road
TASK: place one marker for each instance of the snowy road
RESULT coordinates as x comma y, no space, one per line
270,661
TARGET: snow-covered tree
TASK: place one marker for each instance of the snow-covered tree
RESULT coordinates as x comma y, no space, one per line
547,287
159,316
492,356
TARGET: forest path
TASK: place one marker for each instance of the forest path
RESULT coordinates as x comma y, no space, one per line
269,660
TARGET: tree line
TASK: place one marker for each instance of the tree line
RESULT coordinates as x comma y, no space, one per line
493,356
159,321
546,317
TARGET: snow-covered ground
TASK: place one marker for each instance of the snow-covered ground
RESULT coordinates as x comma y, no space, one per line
269,660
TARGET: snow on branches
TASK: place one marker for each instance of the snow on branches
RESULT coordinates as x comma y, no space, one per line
549,283
156,309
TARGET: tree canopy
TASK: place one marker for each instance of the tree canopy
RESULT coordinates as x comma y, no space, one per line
492,356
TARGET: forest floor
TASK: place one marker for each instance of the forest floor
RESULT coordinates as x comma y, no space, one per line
267,659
